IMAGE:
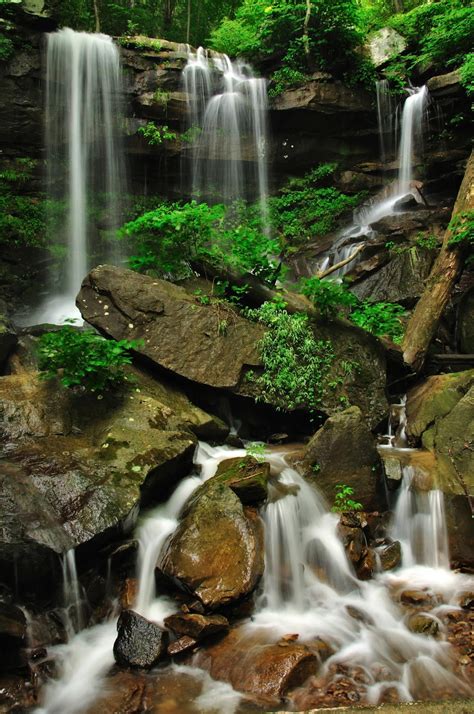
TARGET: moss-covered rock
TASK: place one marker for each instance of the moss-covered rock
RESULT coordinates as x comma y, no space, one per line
247,477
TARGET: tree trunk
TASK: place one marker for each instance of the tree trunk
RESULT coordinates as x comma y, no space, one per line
188,26
306,31
424,320
97,16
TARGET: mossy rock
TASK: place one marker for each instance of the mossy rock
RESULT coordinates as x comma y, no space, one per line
247,477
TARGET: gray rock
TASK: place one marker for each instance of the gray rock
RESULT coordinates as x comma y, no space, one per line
140,643
385,44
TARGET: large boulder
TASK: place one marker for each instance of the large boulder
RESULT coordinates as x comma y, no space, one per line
78,466
180,334
385,44
217,550
247,477
344,451
403,279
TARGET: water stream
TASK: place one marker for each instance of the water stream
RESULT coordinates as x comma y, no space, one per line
85,163
309,588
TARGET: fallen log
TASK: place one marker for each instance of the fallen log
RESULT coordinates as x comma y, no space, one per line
424,320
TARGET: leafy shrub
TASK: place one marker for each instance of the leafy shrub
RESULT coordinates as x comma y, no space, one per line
296,364
467,73
343,501
156,135
380,318
6,48
256,450
284,78
84,359
327,296
462,229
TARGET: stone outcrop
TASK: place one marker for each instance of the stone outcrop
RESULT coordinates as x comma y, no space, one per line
323,96
181,335
76,467
140,643
344,451
217,550
385,44
247,477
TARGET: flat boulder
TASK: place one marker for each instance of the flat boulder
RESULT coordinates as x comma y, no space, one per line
140,643
344,451
247,477
196,626
217,550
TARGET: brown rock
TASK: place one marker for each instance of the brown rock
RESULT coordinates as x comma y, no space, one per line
246,476
416,597
354,542
391,556
128,593
183,645
366,568
217,550
466,601
423,625
197,626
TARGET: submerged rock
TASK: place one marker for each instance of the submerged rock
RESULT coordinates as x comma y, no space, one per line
139,643
423,624
344,451
217,550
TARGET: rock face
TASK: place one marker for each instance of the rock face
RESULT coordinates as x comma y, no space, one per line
323,96
139,643
217,550
401,280
266,671
440,412
344,451
465,323
181,335
178,333
13,637
77,467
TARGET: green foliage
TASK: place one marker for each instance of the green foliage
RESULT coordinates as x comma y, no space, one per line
430,242
84,359
156,135
462,230
6,48
256,450
467,73
169,238
296,364
343,501
308,207
327,296
284,78
380,318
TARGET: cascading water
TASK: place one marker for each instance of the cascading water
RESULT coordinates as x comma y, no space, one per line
227,109
85,165
410,146
309,589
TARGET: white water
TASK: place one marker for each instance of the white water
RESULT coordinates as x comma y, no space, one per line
72,594
307,588
229,107
410,145
84,158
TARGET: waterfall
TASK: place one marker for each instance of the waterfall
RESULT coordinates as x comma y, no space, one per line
411,137
227,108
72,594
85,165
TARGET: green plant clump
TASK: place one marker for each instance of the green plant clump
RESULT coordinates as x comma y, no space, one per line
380,318
84,359
256,450
156,135
343,501
462,230
296,364
327,296
467,73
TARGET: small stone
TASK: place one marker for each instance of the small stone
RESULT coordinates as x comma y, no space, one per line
182,645
466,601
139,643
128,593
416,597
197,626
366,567
391,556
423,625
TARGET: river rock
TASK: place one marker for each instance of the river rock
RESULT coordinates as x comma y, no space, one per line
217,550
78,467
181,646
391,556
139,643
423,624
266,671
403,279
344,451
354,542
197,626
247,477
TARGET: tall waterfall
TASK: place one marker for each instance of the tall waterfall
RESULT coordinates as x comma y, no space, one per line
85,165
227,108
411,137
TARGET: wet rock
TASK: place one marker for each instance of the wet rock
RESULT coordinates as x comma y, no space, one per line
79,467
217,550
8,339
354,542
423,625
322,96
344,451
12,638
139,643
391,556
445,84
247,477
403,279
466,601
406,203
198,627
385,44
128,593
268,672
365,569
184,645
417,598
